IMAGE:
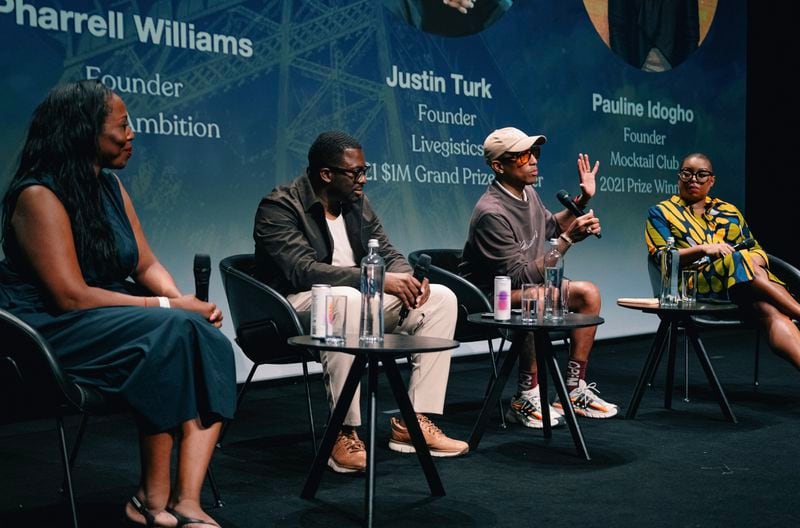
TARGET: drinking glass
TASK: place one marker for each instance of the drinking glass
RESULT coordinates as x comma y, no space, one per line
564,297
688,293
335,318
530,302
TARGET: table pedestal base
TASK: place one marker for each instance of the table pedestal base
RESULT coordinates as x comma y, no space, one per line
667,337
337,417
546,362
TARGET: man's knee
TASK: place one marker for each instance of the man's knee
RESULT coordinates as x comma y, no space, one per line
584,294
443,296
347,291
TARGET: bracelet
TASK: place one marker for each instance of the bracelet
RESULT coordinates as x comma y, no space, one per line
163,302
566,239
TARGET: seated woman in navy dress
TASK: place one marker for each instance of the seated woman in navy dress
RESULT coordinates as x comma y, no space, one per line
71,239
705,230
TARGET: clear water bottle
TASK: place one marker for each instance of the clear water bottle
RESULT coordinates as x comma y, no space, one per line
670,265
553,274
373,271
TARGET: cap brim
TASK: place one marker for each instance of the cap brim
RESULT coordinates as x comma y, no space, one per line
526,143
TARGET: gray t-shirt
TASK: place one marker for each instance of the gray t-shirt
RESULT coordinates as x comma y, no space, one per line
506,237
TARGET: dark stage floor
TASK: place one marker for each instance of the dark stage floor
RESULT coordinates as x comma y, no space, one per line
684,467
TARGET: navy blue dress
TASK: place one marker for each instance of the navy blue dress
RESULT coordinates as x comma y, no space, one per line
169,366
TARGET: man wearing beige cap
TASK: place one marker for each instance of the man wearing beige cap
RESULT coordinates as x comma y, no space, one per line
508,235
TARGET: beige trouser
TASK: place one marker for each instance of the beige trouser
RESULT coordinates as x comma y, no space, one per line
429,371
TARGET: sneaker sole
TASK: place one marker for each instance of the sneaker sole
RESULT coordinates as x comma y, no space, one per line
341,469
597,414
513,418
587,413
402,447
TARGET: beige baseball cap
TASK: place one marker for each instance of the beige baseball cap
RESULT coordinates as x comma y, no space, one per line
508,139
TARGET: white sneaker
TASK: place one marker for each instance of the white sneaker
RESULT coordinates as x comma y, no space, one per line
527,410
586,402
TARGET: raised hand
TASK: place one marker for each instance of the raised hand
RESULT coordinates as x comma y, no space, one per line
586,175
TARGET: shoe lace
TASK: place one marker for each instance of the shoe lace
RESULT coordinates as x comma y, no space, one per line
352,442
530,405
587,394
427,425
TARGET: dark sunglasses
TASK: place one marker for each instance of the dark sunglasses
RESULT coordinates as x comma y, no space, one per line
522,158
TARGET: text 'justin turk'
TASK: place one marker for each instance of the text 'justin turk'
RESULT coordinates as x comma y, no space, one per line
428,81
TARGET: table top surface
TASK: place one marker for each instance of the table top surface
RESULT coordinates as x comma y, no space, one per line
571,320
697,308
392,344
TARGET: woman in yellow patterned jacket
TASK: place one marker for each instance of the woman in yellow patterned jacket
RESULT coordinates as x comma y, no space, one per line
705,230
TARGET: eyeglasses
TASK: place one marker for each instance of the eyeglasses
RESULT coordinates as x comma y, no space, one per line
701,176
355,174
522,158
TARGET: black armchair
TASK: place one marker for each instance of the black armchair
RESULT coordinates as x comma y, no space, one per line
34,386
263,320
446,259
444,270
787,273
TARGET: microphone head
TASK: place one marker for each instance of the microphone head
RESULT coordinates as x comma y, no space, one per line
563,197
202,273
202,262
424,261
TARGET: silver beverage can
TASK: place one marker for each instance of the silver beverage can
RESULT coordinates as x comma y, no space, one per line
502,298
318,294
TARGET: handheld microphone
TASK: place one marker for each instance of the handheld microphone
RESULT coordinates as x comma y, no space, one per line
572,207
747,243
202,272
420,273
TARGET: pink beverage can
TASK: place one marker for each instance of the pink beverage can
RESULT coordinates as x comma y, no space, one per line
502,298
318,316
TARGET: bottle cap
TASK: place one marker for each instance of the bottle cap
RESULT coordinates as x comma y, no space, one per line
373,242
